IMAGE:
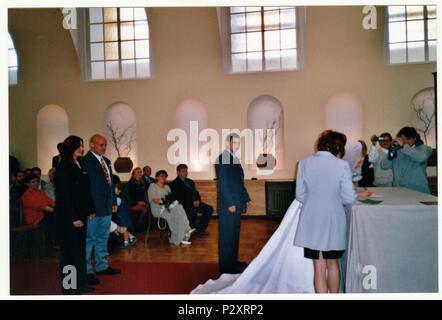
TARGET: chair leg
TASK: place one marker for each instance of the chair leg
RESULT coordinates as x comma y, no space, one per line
149,222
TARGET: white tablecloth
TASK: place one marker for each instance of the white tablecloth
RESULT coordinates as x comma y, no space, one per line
393,245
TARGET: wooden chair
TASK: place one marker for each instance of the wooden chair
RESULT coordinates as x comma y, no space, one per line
29,240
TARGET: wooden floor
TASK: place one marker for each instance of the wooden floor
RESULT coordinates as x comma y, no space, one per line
254,235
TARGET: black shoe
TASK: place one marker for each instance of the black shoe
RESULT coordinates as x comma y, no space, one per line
92,280
109,271
86,289
241,266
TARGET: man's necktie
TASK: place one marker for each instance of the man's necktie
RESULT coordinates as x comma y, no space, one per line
106,174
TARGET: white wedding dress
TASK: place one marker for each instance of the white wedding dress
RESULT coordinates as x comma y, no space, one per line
280,267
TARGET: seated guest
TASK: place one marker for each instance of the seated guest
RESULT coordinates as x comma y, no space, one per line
49,188
137,198
36,171
147,171
18,186
408,159
185,192
174,215
122,217
37,206
16,191
27,172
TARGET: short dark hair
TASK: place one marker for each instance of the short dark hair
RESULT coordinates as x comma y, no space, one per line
30,177
333,142
410,132
17,172
36,169
232,136
160,172
386,135
181,166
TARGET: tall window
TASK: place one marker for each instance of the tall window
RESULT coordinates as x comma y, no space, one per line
118,43
12,62
411,34
263,38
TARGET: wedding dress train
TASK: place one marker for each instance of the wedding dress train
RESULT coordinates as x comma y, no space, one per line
280,267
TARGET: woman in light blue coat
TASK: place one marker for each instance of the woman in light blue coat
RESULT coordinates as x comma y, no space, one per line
409,162
323,186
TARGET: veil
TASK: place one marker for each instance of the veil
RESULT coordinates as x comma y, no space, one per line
280,267
352,155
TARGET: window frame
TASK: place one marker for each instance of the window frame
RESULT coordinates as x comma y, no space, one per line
225,32
85,52
426,40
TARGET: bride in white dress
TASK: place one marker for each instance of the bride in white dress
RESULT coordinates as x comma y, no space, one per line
280,267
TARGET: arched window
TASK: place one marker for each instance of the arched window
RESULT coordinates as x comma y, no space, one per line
120,123
266,113
344,114
118,41
52,128
12,62
191,116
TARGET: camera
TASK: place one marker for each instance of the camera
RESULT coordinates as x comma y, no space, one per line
392,151
375,138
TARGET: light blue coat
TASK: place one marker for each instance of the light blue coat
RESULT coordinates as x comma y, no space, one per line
324,186
410,167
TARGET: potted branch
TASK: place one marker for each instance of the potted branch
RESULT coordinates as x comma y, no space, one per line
123,142
267,160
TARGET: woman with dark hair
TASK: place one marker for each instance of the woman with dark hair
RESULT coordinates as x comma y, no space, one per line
408,160
73,207
324,186
137,198
175,215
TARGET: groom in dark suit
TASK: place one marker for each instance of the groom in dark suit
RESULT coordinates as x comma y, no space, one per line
233,200
99,171
185,192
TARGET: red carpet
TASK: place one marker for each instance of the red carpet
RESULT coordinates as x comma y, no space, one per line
41,278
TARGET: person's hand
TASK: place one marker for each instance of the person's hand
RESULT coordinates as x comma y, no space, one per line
365,193
399,141
196,203
374,139
232,209
114,209
78,224
91,216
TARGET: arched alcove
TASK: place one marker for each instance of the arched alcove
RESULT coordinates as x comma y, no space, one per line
52,128
191,116
265,117
120,120
344,114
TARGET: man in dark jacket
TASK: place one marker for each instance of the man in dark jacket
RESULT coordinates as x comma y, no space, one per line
185,192
233,200
99,171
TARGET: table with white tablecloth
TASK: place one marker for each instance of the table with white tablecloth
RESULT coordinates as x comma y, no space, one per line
392,246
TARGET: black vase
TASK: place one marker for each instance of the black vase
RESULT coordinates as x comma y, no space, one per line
123,164
266,161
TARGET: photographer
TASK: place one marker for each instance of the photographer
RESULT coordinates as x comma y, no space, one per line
408,158
382,178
